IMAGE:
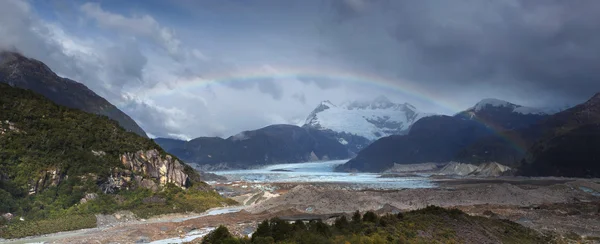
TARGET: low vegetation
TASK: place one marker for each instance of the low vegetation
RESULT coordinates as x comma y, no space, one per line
429,225
51,225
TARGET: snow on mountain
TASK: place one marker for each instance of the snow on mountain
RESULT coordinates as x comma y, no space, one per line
371,119
501,103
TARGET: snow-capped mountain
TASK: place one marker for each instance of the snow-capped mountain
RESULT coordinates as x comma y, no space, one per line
503,115
492,102
371,119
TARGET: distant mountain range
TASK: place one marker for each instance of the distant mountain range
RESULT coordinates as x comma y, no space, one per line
330,132
270,145
442,138
22,72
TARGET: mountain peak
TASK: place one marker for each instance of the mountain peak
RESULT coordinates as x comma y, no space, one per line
497,103
595,99
492,102
327,103
380,102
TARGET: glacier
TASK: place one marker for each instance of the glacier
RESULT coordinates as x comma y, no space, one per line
371,120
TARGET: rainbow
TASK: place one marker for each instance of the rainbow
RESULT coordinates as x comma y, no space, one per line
401,86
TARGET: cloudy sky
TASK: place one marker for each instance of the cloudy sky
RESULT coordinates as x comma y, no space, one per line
189,68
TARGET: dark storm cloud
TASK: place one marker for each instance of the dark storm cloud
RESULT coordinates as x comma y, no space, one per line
547,45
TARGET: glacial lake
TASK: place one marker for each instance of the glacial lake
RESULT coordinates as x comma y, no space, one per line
323,172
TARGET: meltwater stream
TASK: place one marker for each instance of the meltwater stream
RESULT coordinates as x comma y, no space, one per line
322,172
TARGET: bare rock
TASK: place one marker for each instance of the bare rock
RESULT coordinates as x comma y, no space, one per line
88,197
46,179
150,164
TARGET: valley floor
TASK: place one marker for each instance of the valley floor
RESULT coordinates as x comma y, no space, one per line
568,207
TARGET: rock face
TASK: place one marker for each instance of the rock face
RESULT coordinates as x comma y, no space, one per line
146,169
270,145
357,124
22,72
151,166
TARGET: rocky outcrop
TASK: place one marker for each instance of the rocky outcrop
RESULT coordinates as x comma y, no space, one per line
46,179
8,216
483,170
88,197
491,169
150,164
146,169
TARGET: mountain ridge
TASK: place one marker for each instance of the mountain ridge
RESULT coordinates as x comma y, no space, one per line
268,145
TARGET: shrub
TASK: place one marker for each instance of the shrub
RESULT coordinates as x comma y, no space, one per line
356,217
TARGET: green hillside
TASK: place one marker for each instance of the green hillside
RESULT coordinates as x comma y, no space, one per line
51,156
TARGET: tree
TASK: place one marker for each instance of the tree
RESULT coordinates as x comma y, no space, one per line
299,225
217,236
263,230
342,223
356,218
280,229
